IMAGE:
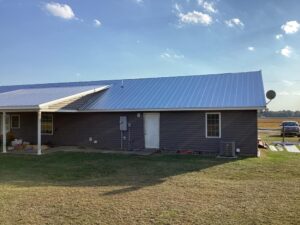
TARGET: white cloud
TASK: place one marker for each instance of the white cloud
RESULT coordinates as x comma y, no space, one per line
139,1
195,17
63,11
234,22
286,51
250,48
97,23
209,7
288,83
165,55
170,54
177,7
291,27
278,36
284,93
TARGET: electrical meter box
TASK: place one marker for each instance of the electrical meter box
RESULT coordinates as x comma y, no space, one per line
123,123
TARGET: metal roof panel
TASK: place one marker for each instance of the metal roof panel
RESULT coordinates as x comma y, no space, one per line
34,97
228,91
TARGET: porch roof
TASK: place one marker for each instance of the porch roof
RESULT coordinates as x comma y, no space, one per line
39,98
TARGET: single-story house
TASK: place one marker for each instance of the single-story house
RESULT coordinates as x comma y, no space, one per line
203,113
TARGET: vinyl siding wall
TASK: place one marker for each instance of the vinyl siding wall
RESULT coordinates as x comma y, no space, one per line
186,131
178,130
76,129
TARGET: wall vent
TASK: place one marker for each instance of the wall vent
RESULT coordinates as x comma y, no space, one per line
227,149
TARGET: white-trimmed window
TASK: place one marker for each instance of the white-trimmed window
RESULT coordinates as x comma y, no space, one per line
47,124
15,121
213,125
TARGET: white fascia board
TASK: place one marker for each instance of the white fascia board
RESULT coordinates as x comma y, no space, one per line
19,109
81,94
60,110
178,109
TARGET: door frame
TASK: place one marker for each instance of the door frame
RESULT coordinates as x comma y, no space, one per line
144,119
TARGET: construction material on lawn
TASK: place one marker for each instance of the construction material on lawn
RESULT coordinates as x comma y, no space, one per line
20,145
284,147
261,144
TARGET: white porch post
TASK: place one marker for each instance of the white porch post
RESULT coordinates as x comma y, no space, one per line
39,133
4,131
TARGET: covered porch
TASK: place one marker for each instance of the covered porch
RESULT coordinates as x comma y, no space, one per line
10,122
40,102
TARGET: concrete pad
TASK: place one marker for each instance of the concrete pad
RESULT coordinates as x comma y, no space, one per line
292,148
280,148
93,150
272,148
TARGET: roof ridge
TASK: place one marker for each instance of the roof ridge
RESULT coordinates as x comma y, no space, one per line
86,83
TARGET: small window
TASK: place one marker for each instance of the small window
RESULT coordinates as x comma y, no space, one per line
213,125
47,124
15,121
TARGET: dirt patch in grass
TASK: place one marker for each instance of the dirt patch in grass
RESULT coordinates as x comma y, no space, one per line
78,188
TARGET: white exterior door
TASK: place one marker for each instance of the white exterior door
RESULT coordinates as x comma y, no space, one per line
151,130
7,123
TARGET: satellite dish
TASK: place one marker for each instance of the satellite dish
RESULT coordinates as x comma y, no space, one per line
271,94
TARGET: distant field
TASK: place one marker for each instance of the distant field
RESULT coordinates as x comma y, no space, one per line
273,122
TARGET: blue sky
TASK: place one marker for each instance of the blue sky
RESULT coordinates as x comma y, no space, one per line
58,41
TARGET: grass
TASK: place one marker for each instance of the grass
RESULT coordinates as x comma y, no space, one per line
78,188
275,136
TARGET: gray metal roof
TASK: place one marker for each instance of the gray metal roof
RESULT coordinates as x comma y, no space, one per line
77,103
34,97
219,91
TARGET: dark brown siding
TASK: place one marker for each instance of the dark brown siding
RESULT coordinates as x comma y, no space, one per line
186,131
178,130
28,127
77,128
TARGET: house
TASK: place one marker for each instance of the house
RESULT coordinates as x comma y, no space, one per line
198,113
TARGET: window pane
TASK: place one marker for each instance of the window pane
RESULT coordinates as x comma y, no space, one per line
47,123
15,121
213,125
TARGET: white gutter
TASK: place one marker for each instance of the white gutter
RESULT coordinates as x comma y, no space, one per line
176,109
154,110
19,108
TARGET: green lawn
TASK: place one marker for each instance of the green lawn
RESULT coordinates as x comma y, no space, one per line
78,188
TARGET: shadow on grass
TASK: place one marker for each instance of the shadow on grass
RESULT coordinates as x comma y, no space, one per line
131,172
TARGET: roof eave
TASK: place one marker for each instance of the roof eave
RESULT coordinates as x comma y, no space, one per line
30,109
19,108
174,109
